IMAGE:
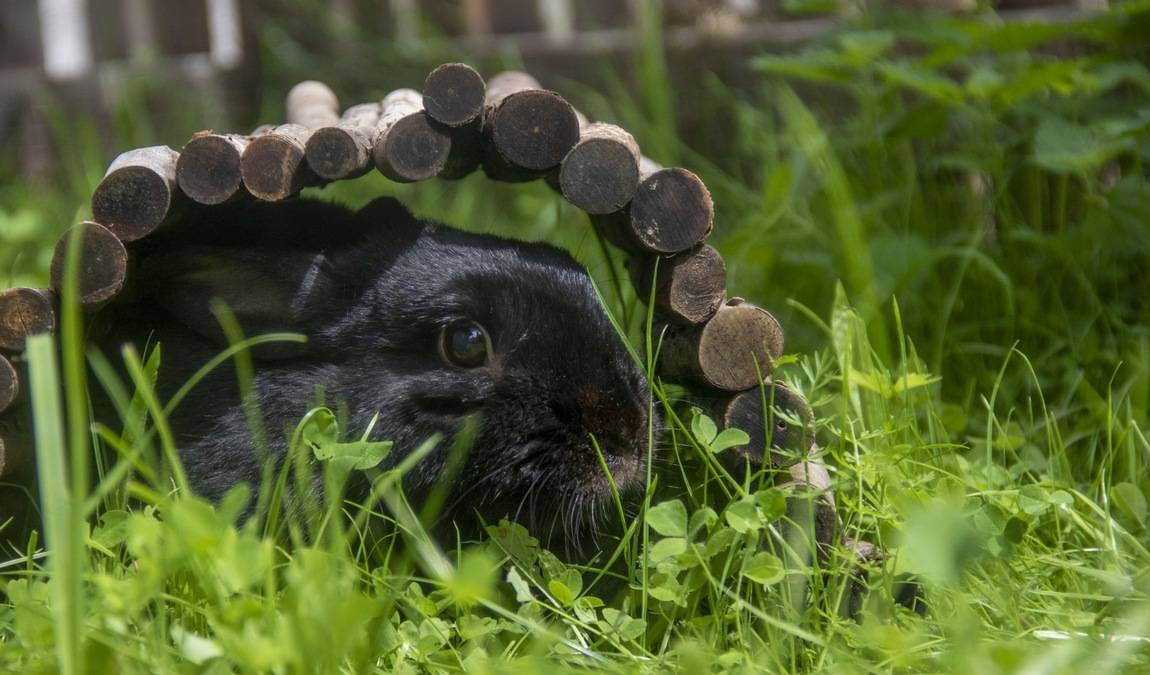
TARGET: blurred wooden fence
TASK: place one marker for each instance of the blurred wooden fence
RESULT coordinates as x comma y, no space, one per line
597,26
81,53
84,52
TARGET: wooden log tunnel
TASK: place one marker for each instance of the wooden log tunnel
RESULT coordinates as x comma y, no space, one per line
511,124
516,130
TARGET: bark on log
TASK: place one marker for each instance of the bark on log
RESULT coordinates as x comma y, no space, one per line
103,265
731,352
453,94
671,212
466,151
209,170
344,150
601,173
312,104
14,449
24,312
530,128
777,419
137,192
811,525
272,164
409,146
499,169
690,287
9,384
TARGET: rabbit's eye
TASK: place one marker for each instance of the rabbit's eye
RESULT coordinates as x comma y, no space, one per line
781,425
464,344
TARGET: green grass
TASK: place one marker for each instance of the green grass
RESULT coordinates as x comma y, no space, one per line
955,234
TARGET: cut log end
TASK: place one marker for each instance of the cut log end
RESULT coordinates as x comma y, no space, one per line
132,201
335,153
209,170
413,149
737,346
453,94
273,167
9,384
599,176
782,430
691,285
534,129
103,264
25,312
733,351
672,211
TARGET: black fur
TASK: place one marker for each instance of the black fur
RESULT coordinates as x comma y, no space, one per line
371,291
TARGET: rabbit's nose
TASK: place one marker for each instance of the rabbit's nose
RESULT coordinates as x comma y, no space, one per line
611,417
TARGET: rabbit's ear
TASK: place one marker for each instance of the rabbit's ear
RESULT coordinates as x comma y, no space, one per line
269,291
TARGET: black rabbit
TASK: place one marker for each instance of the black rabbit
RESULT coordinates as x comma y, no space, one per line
419,323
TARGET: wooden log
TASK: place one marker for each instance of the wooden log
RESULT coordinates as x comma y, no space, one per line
733,351
811,525
497,168
601,173
24,312
137,192
671,212
453,94
344,150
466,154
209,169
14,451
9,384
530,128
409,145
777,419
312,104
690,287
103,265
272,165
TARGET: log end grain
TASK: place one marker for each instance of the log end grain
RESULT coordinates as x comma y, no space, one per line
272,167
25,312
737,346
9,384
453,94
691,285
132,201
672,211
781,430
534,129
209,170
414,149
336,153
599,175
103,266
